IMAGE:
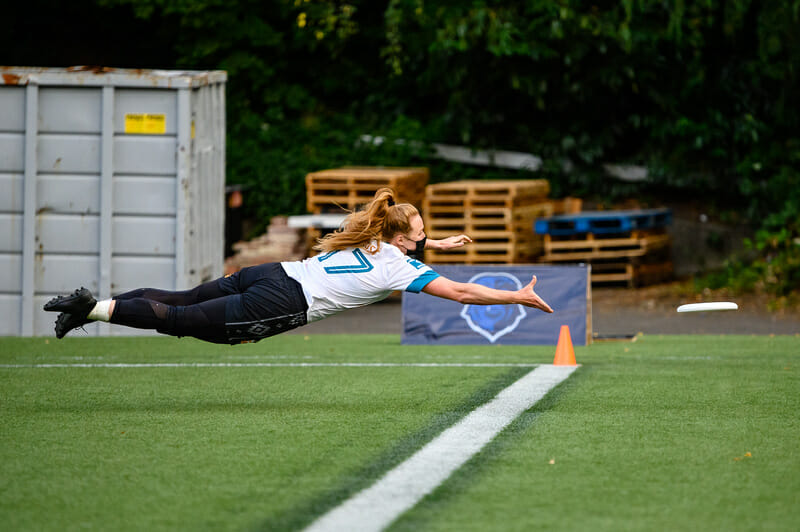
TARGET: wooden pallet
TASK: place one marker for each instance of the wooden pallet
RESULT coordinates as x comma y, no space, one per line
500,234
467,220
508,249
472,219
450,197
489,237
592,247
479,257
490,244
630,273
350,187
604,222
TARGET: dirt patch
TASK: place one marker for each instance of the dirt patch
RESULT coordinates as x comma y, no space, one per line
669,296
653,310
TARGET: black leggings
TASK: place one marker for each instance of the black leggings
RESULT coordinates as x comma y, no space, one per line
252,304
199,312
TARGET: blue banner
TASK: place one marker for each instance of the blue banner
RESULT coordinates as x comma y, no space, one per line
431,320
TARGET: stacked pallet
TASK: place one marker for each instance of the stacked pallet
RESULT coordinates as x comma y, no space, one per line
348,188
279,243
497,215
622,246
342,190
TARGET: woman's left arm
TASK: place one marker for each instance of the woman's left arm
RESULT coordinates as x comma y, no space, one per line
450,242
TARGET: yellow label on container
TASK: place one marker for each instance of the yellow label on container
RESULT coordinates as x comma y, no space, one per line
145,124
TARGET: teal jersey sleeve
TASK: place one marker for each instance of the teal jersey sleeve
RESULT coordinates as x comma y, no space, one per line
422,281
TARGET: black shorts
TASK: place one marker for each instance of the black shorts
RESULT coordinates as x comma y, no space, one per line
262,301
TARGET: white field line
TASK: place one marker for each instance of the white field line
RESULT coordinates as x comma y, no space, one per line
271,365
400,489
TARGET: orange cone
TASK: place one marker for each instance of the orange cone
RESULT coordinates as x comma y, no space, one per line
565,354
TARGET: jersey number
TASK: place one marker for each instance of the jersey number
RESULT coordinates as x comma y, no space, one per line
363,265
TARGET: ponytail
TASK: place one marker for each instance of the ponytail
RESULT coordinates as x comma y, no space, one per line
379,220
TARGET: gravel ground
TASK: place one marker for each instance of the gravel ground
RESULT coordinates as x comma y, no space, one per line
653,310
615,312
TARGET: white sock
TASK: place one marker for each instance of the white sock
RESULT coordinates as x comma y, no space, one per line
101,312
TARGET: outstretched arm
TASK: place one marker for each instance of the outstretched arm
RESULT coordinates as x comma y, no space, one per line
447,243
475,294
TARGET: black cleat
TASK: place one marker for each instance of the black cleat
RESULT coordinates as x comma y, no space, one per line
66,322
80,302
74,308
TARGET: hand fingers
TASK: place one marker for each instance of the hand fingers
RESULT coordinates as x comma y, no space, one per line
460,240
539,303
542,305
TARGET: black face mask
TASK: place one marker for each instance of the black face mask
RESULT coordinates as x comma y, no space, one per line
419,249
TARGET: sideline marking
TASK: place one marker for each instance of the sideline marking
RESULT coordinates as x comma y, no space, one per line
377,506
273,365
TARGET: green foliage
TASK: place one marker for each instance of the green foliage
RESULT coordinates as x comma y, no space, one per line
705,94
776,268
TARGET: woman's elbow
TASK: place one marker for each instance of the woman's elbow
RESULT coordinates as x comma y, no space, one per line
462,296
457,292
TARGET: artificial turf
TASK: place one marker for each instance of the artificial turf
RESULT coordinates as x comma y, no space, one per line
672,432
677,433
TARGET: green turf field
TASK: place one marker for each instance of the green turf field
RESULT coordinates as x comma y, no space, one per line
665,433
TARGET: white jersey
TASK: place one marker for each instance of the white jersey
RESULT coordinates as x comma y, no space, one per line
340,280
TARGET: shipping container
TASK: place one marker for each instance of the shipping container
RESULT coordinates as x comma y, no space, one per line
110,179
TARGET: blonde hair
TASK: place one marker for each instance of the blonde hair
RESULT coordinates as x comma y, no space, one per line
379,220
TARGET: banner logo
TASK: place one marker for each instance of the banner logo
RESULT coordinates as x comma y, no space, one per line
494,321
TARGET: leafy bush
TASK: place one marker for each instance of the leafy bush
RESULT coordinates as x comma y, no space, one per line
705,94
776,268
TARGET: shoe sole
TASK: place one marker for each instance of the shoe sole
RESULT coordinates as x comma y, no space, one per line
67,303
63,327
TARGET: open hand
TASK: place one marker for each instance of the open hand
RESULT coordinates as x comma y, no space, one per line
531,299
451,242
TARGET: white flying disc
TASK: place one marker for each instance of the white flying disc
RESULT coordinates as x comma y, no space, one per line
702,307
